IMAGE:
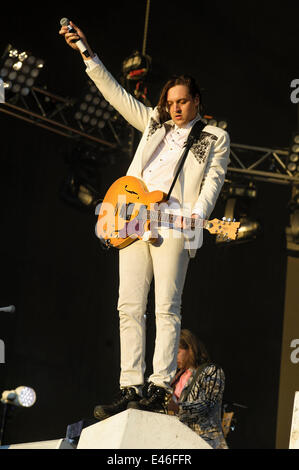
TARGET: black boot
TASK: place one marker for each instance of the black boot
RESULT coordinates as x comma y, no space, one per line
155,398
127,395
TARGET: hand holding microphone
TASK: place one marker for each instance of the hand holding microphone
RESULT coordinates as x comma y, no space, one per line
75,38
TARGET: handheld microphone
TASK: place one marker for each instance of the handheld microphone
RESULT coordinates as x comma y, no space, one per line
9,309
79,42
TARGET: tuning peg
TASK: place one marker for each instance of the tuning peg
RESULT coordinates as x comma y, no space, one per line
234,220
223,218
229,219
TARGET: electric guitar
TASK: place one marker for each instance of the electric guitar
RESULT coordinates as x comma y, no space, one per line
127,213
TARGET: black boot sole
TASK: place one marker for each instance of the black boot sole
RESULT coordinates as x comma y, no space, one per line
100,414
134,405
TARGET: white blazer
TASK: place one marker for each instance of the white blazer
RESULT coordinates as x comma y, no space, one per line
203,173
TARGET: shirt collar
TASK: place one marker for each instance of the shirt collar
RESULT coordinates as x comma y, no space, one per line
187,126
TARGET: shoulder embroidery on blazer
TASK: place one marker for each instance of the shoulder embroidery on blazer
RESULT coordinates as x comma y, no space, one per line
201,146
153,126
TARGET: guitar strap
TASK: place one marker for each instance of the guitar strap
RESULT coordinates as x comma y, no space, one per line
193,135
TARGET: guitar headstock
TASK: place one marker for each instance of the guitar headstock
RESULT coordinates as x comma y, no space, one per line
225,228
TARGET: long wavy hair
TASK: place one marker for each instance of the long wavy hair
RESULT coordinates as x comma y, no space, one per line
186,80
197,349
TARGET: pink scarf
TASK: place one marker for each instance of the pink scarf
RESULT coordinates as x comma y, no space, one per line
181,383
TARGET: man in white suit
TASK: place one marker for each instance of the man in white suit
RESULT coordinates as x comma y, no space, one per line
165,130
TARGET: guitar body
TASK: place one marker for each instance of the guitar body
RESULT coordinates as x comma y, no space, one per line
118,224
128,210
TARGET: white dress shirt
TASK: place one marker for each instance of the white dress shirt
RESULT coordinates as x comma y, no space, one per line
158,173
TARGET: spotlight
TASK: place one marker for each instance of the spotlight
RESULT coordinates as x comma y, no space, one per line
243,190
248,230
238,197
136,66
212,121
292,162
93,110
21,396
79,188
19,70
79,193
292,231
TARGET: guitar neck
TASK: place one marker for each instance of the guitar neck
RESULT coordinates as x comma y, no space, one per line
158,216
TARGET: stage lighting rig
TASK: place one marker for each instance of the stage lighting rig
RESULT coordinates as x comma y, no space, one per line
95,116
22,396
136,66
93,111
90,118
238,197
292,230
293,156
245,190
212,121
19,70
80,186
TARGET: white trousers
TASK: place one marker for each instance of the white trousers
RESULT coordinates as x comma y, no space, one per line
166,262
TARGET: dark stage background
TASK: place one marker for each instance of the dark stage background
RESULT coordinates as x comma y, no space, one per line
63,338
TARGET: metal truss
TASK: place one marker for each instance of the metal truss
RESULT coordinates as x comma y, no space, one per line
260,164
56,114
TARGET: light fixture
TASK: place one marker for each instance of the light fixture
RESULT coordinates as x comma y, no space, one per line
244,190
79,193
22,396
292,162
136,66
80,187
238,197
292,230
216,122
19,70
93,111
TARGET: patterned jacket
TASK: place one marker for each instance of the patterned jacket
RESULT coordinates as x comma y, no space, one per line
203,174
200,404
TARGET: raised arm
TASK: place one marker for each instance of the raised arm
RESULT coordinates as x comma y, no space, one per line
135,112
